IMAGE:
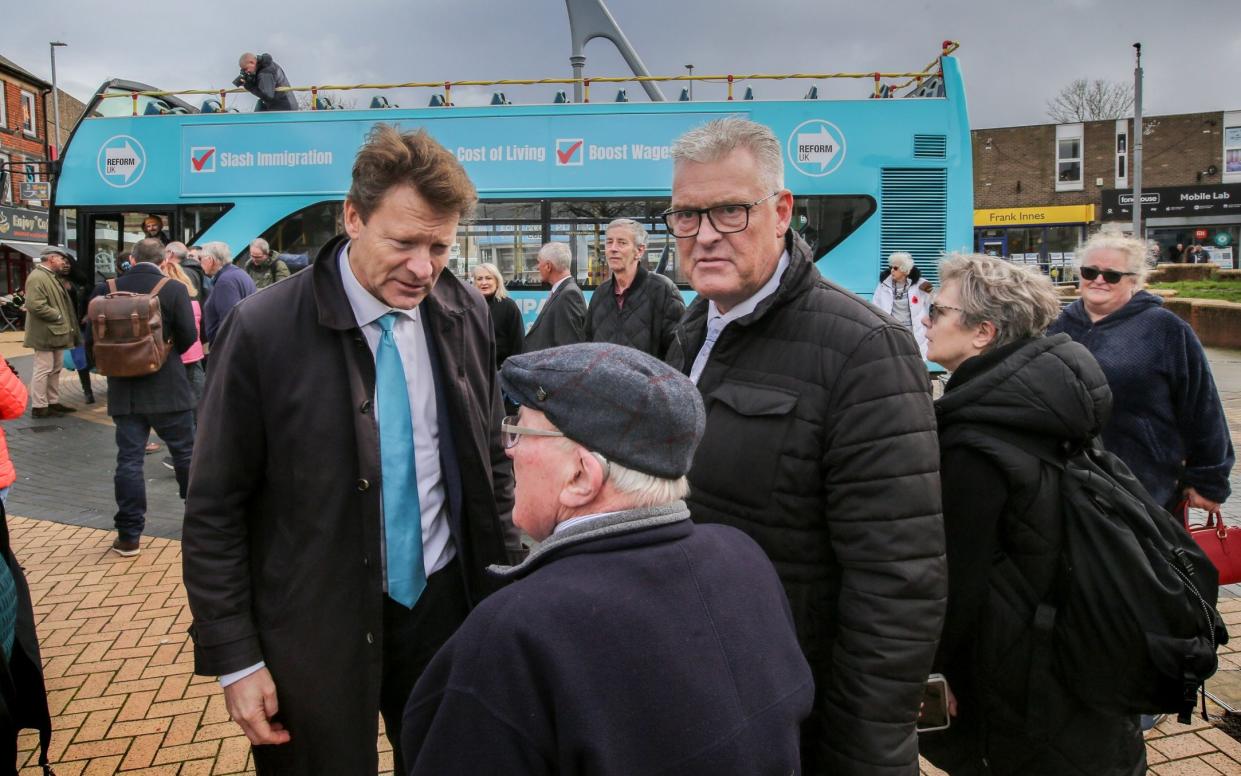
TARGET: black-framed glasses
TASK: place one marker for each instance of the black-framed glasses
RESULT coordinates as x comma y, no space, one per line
511,433
937,310
1110,276
725,219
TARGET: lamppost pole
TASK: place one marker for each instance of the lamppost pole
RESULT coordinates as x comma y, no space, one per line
55,97
690,68
1137,143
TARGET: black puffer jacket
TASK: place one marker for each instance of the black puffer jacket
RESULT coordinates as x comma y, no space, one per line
653,308
1002,518
820,444
268,77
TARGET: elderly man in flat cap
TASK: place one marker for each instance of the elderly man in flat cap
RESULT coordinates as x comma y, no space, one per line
631,640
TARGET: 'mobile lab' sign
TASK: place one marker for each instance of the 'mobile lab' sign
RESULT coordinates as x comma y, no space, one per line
1172,201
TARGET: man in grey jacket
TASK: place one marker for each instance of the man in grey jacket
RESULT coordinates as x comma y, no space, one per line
562,321
820,444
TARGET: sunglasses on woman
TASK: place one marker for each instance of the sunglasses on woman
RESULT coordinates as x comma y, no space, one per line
1110,276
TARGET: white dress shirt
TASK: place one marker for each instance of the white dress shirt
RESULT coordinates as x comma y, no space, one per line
717,321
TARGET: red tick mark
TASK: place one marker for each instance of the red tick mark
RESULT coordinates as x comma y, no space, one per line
565,156
200,161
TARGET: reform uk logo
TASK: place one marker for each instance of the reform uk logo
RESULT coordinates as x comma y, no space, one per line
816,148
122,161
202,159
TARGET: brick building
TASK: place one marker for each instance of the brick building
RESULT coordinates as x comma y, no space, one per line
26,129
1040,190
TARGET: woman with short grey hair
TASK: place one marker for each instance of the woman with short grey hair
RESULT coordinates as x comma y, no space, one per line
903,294
1012,391
1168,423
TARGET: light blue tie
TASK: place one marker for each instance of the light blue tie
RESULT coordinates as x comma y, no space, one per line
715,325
402,512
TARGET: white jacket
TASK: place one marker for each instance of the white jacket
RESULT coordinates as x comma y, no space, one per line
919,306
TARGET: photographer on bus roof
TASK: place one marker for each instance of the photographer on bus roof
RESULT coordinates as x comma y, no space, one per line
261,76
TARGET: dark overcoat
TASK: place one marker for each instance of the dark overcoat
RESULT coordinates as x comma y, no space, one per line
562,321
282,538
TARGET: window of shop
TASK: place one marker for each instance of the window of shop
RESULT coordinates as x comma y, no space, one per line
28,114
1232,147
32,175
4,116
1069,157
1122,153
6,178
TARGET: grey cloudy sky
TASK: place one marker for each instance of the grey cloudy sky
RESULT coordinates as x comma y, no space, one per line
1015,55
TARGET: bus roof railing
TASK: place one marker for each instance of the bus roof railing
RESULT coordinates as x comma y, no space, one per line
881,89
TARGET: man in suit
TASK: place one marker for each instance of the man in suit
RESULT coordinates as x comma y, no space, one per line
562,321
162,401
349,486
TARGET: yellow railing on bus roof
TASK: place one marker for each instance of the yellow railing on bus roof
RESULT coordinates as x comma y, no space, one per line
931,69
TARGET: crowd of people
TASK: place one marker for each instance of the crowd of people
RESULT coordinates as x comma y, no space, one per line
733,537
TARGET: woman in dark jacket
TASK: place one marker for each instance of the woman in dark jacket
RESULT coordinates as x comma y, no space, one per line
1167,423
1011,389
505,317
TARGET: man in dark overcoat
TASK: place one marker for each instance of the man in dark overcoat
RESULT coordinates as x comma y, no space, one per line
349,484
562,320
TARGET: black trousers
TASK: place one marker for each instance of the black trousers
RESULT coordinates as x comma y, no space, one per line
411,639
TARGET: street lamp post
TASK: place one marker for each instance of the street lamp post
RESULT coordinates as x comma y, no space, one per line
1137,143
55,97
690,68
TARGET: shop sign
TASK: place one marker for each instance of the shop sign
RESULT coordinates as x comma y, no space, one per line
1200,234
20,224
1186,201
1222,239
1034,216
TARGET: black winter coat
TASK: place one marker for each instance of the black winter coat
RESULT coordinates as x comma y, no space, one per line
562,321
508,326
283,530
648,321
168,390
820,444
635,644
1002,518
268,76
23,698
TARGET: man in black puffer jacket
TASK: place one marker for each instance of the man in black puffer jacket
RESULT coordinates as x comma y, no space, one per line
261,76
634,307
820,444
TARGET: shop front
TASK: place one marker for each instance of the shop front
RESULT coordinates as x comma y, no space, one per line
1043,237
23,233
1179,217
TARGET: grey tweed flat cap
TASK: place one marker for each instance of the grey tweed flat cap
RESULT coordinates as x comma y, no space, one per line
631,407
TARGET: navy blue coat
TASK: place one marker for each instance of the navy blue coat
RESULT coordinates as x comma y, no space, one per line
1167,421
666,649
229,286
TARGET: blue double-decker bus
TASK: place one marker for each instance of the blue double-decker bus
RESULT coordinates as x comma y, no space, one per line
869,176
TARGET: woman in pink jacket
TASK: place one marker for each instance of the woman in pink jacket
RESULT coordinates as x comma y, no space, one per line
12,405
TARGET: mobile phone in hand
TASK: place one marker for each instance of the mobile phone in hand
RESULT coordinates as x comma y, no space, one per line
934,711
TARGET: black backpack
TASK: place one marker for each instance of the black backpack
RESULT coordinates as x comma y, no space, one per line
1131,627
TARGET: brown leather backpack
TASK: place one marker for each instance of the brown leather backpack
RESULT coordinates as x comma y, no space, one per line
128,331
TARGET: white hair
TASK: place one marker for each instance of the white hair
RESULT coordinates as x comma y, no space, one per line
558,254
646,490
219,251
719,138
178,250
901,260
636,230
262,245
1135,252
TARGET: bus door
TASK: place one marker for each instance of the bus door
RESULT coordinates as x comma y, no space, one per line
109,234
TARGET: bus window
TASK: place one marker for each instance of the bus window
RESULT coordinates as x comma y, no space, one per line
307,230
583,224
507,234
197,219
113,234
823,222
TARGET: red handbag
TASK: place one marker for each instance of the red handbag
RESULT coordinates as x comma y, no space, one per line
1220,542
